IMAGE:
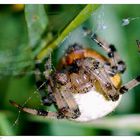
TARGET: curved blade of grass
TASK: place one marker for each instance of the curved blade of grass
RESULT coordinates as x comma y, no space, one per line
118,122
128,122
37,22
79,19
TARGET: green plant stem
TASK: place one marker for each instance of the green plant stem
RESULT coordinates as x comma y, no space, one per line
79,19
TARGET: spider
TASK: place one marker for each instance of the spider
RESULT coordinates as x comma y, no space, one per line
85,86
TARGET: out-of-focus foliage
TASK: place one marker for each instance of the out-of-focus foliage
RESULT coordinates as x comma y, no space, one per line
20,43
37,21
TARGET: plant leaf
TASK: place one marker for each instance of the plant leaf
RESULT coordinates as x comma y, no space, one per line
37,22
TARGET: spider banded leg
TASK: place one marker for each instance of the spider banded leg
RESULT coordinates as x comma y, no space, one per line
43,86
131,84
64,110
116,64
106,83
73,107
92,67
43,113
64,100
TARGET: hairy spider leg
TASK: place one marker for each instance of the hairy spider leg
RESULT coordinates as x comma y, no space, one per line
98,72
131,84
67,95
67,107
117,65
64,100
64,111
42,82
46,114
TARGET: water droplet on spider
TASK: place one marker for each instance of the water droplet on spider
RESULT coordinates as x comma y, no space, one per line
125,22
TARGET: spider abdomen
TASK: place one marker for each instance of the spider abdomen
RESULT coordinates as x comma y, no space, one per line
93,105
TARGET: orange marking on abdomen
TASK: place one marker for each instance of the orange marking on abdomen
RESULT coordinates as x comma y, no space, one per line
79,54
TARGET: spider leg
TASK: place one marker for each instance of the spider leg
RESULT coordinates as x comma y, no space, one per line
46,114
65,102
63,108
55,93
116,64
91,66
42,82
73,106
107,84
131,84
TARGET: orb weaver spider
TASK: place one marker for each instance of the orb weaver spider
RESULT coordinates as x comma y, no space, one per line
86,86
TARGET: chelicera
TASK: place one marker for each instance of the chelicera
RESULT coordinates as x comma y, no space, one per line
85,86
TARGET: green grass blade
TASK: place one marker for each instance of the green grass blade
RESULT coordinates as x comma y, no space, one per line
78,20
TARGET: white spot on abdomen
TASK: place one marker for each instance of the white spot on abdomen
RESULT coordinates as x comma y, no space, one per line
93,105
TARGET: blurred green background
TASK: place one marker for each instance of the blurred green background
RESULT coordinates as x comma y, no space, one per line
21,40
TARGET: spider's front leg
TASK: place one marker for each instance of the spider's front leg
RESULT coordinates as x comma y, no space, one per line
115,64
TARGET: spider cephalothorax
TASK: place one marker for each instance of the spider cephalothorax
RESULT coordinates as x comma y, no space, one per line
85,86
